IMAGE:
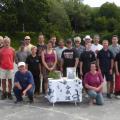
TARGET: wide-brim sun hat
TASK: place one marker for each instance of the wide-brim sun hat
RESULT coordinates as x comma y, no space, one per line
87,37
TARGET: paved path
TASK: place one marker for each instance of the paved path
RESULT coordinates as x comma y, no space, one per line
43,110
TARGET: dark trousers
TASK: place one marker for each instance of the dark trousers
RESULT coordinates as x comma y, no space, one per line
18,93
37,83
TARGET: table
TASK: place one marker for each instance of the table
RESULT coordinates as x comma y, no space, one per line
64,90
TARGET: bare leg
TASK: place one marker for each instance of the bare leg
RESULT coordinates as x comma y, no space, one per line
9,85
3,86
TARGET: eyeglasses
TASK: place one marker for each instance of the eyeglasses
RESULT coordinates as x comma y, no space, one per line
27,39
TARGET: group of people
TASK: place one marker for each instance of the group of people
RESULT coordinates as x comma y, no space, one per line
93,62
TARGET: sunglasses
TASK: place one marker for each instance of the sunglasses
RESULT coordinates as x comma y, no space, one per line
27,39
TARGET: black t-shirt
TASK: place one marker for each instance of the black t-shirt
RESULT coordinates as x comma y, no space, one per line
69,56
105,58
117,59
33,64
87,57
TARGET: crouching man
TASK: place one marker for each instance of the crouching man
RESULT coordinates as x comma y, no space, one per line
23,83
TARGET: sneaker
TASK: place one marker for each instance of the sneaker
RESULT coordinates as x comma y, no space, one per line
10,96
109,95
117,96
31,101
18,101
4,96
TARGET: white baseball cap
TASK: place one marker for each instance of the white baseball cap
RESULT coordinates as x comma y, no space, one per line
21,64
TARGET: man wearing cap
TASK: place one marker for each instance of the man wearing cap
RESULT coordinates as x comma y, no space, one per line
23,83
28,45
69,58
79,48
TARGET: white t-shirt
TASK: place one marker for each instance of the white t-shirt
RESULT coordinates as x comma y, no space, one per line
59,51
97,47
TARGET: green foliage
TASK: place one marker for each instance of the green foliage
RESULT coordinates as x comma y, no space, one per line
63,18
54,75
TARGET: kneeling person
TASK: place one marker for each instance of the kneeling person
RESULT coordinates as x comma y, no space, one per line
23,83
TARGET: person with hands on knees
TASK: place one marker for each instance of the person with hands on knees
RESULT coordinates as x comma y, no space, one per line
94,83
23,83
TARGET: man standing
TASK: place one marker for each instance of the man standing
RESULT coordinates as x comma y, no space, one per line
1,46
96,46
41,46
28,45
54,40
87,39
7,55
80,49
86,58
23,83
105,65
115,49
59,51
69,58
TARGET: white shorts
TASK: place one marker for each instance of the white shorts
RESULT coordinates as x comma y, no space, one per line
6,74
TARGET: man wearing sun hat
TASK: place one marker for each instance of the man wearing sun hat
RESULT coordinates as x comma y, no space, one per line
87,39
23,83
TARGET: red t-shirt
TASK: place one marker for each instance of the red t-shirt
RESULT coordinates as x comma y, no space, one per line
7,58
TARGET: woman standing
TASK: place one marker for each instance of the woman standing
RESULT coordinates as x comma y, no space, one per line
94,83
49,59
33,64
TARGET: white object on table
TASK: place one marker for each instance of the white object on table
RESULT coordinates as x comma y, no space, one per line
64,90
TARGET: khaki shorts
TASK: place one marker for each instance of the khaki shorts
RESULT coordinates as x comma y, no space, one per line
6,74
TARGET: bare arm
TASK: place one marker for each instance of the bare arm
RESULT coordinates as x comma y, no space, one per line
17,85
55,60
90,87
43,60
112,64
116,68
81,65
28,88
98,65
76,62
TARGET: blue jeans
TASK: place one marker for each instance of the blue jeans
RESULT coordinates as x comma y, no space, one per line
18,93
97,96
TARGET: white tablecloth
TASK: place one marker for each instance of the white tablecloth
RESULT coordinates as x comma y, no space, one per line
64,90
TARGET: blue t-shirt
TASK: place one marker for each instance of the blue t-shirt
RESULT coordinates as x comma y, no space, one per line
24,79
